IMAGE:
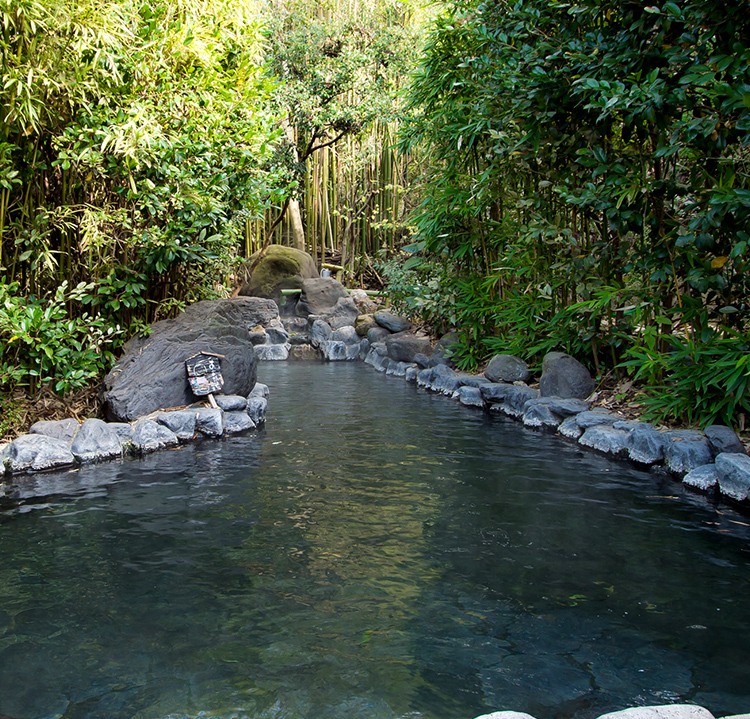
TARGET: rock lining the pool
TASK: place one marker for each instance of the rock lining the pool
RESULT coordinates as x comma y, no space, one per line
67,443
711,461
664,711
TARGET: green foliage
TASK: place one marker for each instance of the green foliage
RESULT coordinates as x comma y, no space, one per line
40,342
700,382
135,144
589,173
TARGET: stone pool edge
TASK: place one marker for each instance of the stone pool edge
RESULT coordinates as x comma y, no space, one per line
703,462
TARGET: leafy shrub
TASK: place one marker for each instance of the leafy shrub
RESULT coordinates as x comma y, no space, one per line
40,342
694,381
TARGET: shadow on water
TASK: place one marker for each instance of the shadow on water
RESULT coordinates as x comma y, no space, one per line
375,552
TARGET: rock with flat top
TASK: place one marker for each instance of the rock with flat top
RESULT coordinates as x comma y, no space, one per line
703,478
646,444
150,436
235,422
733,471
507,368
36,453
669,711
64,429
231,402
181,422
151,374
391,322
404,346
320,295
686,449
470,396
209,421
605,438
96,441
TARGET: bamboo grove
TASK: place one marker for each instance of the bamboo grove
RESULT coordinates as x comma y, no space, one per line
146,148
589,191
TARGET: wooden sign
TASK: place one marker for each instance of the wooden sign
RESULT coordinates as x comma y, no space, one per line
204,373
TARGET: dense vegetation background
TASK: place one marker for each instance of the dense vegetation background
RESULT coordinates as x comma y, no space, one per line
541,175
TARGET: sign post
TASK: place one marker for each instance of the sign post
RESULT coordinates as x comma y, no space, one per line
204,375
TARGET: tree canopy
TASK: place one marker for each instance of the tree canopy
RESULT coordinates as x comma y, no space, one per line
590,186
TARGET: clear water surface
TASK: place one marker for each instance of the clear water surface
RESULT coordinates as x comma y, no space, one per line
375,552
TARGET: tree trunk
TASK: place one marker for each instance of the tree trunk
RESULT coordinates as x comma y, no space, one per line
298,230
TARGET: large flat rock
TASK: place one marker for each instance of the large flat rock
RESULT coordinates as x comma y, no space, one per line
151,374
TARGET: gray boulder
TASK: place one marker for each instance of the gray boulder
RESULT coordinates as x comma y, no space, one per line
564,376
377,360
295,325
237,422
565,407
605,439
64,429
151,374
320,332
646,444
470,396
95,441
507,368
150,436
343,314
733,471
272,353
209,421
684,450
319,296
497,392
516,398
569,428
392,322
348,335
276,334
339,351
256,409
472,380
231,402
537,414
181,422
36,453
259,390
404,346
575,424
124,431
723,439
411,374
421,360
444,380
378,334
424,377
703,478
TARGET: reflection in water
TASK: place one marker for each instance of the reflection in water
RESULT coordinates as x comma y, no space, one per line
376,552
